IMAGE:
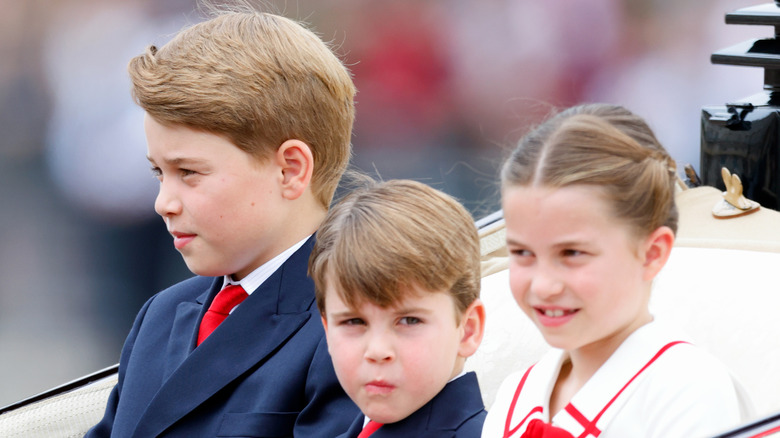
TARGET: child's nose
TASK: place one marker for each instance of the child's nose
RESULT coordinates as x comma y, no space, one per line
546,284
166,203
380,348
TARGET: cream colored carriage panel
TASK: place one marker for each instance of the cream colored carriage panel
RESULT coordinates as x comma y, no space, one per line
66,415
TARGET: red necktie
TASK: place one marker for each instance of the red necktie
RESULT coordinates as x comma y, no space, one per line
220,308
370,428
539,429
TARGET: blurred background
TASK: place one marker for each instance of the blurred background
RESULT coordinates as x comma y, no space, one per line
445,88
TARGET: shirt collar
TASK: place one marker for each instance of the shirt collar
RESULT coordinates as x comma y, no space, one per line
251,282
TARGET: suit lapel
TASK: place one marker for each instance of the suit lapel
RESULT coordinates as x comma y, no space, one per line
457,402
355,428
184,332
268,318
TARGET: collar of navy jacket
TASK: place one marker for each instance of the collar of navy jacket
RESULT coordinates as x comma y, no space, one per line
458,402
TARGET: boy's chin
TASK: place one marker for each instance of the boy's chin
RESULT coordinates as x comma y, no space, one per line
387,418
204,270
388,413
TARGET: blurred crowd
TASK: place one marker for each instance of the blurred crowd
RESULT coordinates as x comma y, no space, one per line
444,88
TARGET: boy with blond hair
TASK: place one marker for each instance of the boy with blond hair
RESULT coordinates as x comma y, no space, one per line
397,274
248,124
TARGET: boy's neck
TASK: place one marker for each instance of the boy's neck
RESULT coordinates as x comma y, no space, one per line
254,279
297,224
303,217
458,370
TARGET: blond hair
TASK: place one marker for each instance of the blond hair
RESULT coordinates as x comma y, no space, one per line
605,146
380,241
257,79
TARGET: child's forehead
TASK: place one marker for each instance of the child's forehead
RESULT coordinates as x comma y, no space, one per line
405,297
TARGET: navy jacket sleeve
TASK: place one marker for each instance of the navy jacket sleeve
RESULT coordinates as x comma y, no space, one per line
104,427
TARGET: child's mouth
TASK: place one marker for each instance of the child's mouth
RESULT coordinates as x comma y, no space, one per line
554,317
379,387
556,313
181,240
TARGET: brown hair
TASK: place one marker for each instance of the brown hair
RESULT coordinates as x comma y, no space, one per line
257,79
379,241
605,146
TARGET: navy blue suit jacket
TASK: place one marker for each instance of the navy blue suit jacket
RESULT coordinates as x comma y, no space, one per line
456,412
264,372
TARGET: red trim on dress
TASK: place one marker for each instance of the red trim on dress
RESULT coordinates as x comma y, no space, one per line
507,431
590,426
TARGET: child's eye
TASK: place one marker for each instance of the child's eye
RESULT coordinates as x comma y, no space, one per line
520,253
156,172
410,320
572,252
353,321
520,256
187,172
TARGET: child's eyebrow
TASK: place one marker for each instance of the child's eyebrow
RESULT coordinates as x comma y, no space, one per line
569,243
178,161
511,241
404,310
342,314
562,244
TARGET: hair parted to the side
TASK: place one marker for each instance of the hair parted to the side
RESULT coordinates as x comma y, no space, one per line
605,146
379,241
257,79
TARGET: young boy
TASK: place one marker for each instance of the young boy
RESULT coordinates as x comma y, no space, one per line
248,124
397,275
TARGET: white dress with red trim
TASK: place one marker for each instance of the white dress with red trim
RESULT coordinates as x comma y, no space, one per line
654,385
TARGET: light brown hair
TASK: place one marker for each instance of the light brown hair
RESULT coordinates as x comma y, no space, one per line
604,146
379,241
257,79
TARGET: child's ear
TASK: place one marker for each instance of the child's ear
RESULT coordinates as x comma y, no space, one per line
297,164
473,325
325,326
656,251
324,323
